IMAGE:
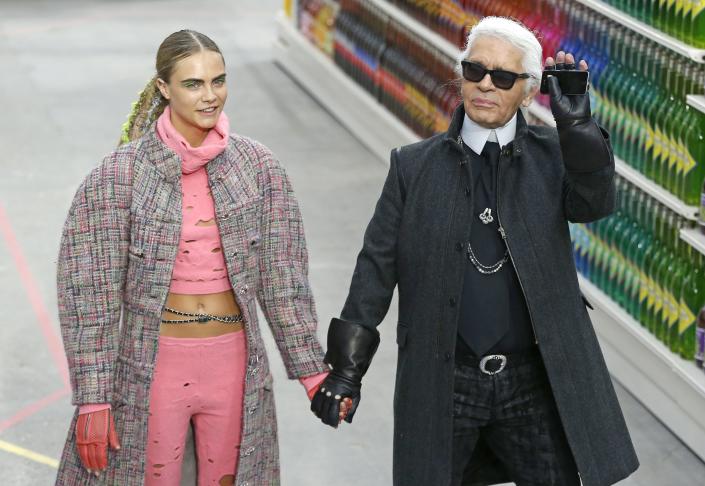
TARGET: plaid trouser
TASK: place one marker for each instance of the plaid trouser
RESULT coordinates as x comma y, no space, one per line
515,414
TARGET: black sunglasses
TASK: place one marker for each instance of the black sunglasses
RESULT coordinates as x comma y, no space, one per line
474,72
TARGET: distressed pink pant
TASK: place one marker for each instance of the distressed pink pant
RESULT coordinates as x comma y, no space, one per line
198,380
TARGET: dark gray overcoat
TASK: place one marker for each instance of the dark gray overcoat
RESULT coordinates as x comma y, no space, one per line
413,241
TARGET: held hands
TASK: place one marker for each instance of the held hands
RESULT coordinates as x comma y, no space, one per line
94,431
336,400
350,350
567,109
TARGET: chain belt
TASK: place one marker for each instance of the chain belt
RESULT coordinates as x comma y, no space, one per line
200,317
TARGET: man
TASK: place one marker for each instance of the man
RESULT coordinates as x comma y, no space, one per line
500,376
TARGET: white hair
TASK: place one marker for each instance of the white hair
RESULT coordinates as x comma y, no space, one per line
516,34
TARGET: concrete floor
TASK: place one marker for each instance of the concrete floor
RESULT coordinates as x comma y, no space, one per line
70,70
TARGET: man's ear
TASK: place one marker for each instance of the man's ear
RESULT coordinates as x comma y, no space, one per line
530,96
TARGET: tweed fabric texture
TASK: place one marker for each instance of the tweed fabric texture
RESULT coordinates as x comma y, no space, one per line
116,258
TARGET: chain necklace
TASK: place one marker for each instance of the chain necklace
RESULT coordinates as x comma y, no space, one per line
489,269
486,218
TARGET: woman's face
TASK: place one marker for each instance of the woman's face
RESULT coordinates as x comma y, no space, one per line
196,92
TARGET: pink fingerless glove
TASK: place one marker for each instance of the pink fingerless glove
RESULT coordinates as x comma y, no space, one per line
92,407
313,383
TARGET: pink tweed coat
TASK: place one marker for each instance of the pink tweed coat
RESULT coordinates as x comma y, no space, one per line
117,252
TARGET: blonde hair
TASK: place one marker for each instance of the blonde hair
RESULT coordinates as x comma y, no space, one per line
150,103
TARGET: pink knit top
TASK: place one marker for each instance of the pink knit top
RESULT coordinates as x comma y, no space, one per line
200,265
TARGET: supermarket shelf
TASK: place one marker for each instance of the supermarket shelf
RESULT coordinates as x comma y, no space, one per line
633,176
647,31
697,102
656,191
672,388
440,43
694,238
601,7
376,127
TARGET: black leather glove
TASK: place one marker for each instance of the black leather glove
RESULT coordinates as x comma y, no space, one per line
350,351
583,143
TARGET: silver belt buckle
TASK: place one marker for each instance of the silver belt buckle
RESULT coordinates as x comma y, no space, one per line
487,359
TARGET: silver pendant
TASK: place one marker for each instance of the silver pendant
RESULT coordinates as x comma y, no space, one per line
486,216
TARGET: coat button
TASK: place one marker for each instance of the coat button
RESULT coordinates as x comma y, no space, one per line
467,191
233,254
249,451
252,410
459,246
244,290
452,301
448,356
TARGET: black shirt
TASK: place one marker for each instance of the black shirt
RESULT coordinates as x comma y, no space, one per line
493,309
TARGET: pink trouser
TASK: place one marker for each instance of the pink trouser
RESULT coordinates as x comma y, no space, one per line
198,380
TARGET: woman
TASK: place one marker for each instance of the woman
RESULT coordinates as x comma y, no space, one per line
165,247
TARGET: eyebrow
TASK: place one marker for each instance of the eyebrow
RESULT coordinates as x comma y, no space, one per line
188,80
486,67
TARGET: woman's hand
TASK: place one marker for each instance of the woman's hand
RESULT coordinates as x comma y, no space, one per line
94,431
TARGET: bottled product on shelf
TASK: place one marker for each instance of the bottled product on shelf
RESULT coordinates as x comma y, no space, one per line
701,212
637,258
410,77
682,19
700,339
316,20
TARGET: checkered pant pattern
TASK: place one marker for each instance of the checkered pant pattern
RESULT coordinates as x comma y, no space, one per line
516,416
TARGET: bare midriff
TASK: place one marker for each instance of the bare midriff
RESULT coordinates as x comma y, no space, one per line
218,304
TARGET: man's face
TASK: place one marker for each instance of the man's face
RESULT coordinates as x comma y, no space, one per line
484,103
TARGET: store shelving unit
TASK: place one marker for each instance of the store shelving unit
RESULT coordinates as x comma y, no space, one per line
656,191
369,121
694,238
633,176
672,388
645,30
697,102
417,28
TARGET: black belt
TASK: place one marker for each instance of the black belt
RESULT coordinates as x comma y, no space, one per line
492,364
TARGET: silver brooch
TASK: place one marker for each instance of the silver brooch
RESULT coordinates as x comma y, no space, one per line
486,216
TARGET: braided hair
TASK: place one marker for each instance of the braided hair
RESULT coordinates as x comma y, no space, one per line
150,103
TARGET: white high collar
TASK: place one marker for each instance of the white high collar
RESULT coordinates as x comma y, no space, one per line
476,136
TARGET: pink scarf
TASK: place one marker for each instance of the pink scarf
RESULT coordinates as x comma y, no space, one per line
193,158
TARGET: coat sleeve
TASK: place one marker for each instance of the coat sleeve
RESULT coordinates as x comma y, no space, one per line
375,274
90,277
284,292
589,191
